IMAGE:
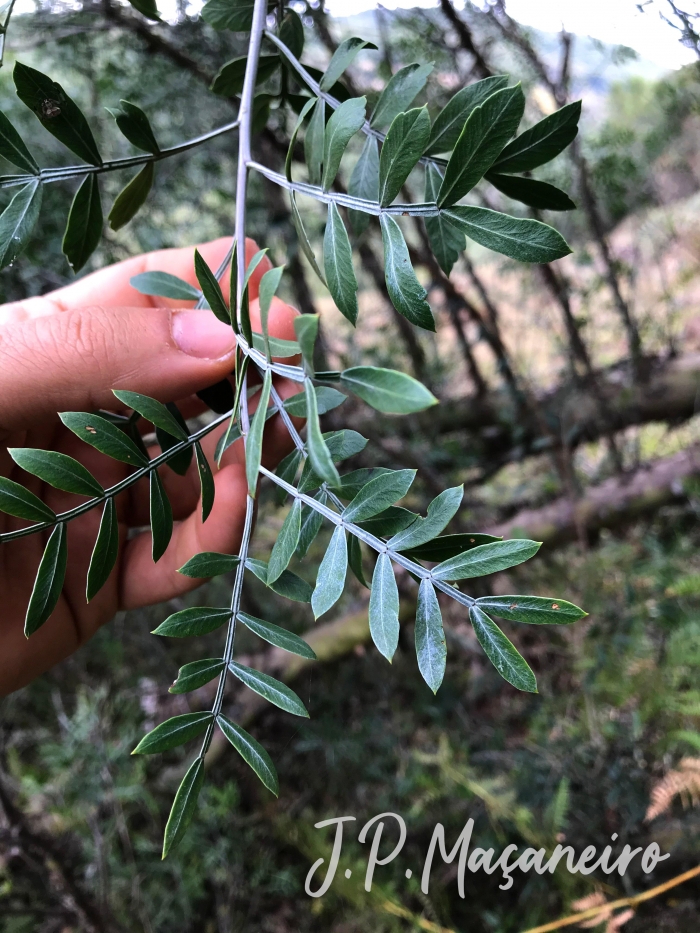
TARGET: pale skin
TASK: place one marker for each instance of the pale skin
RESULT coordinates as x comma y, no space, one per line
65,352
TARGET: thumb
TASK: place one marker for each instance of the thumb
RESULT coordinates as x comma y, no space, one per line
71,361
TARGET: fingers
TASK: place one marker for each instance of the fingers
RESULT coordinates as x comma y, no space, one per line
110,287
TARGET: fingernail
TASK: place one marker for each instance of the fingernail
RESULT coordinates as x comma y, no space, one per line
200,334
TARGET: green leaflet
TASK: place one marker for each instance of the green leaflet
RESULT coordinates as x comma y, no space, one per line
379,493
542,142
252,753
18,220
136,126
274,691
104,436
319,455
236,15
341,127
180,462
161,516
504,656
403,146
199,620
278,347
431,649
84,227
448,546
306,329
228,81
153,411
339,91
132,198
56,469
148,9
314,141
211,289
326,400
253,447
106,550
337,262
49,581
485,133
446,241
517,237
20,502
351,483
164,285
56,111
291,32
364,183
288,584
253,265
449,123
269,284
311,522
389,522
487,558
341,445
275,635
399,93
537,194
13,149
206,482
355,560
287,470
173,732
286,543
184,805
406,293
209,564
195,675
304,241
342,58
384,608
330,580
440,512
388,390
537,610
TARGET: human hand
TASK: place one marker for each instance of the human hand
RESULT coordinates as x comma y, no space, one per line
65,352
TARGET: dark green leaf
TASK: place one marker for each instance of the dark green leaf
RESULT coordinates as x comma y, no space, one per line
485,133
105,552
288,584
517,237
209,564
364,183
542,142
49,581
537,610
330,580
351,483
200,620
313,142
184,805
195,675
311,522
84,227
406,293
164,285
403,146
206,482
384,608
13,149
379,493
132,198
306,329
446,241
274,691
339,91
286,543
399,93
440,512
181,461
18,220
448,546
292,33
389,522
537,194
278,347
173,732
355,559
57,470
56,111
269,284
449,123
136,126
104,436
161,516
236,15
342,58
253,447
252,753
148,9
341,127
152,411
337,262
504,656
228,80
326,400
319,455
431,649
387,390
277,636
20,502
218,397
487,558
211,289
